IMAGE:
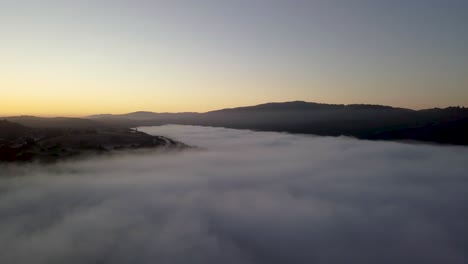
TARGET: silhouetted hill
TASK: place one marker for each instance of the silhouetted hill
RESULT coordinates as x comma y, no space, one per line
10,130
142,118
143,115
134,115
286,106
363,121
55,122
300,106
310,118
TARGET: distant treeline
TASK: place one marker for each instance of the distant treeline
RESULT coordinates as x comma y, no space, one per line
376,122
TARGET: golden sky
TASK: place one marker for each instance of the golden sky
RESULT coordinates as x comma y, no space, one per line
76,58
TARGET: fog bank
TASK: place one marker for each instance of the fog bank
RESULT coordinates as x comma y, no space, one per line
242,197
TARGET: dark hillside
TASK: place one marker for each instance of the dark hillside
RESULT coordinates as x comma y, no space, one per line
10,130
55,122
363,121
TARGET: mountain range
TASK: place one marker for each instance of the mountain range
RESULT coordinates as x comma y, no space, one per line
364,121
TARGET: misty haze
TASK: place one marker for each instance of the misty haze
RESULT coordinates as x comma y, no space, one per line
241,197
234,131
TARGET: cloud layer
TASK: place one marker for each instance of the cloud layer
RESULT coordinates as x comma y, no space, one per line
243,197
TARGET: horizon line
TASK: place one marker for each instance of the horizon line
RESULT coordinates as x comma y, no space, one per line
218,109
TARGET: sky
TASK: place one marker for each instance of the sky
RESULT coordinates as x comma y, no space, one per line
85,57
243,197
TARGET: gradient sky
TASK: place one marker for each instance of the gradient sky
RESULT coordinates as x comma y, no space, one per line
81,57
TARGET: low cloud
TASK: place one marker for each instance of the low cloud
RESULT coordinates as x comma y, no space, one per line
242,197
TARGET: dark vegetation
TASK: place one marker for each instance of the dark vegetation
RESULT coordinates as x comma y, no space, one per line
375,122
67,139
33,138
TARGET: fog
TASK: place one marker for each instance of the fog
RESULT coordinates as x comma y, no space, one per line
241,197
